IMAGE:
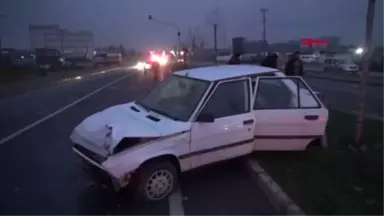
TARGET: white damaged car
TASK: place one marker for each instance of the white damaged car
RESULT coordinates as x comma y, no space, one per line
197,117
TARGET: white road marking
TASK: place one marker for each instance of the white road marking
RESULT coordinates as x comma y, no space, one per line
176,204
34,124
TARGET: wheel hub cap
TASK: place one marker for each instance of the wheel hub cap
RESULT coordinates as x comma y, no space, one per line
159,184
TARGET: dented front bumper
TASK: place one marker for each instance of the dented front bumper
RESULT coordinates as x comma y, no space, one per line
99,172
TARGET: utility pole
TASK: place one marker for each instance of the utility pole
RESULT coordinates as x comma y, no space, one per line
264,21
214,19
225,38
365,73
1,16
215,40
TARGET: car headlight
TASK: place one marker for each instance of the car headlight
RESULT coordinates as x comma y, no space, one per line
142,66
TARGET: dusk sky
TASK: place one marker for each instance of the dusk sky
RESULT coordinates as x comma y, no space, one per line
126,21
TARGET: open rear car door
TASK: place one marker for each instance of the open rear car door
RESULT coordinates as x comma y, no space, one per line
288,114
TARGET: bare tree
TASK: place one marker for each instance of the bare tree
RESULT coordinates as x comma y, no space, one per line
365,73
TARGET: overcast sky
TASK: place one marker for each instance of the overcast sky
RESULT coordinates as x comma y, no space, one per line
126,21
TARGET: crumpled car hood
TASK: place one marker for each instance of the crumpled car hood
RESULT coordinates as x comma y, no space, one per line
126,122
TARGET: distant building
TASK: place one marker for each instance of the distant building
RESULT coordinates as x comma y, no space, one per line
37,35
67,42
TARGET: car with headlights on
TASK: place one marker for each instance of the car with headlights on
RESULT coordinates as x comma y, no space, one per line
197,117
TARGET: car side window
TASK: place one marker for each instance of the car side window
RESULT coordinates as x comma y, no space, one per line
229,98
283,93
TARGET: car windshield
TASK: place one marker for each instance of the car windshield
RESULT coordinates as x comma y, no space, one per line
176,97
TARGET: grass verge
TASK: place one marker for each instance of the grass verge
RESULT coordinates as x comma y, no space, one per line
337,180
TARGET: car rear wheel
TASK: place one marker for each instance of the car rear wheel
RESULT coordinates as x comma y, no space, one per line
156,181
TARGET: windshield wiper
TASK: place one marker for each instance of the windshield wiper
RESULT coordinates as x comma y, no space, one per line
143,106
157,111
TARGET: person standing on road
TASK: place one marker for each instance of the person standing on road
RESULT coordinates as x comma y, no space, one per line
270,61
235,59
294,66
185,53
155,66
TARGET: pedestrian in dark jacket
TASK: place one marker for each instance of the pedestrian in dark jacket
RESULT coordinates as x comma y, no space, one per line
294,66
235,59
270,61
155,66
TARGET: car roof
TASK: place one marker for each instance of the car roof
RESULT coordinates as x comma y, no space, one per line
213,73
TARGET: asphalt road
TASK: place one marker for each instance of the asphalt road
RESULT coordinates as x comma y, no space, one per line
375,78
41,174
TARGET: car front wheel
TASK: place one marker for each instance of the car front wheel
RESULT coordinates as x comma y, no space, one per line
156,181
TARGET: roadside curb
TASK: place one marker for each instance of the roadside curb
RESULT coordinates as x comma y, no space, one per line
279,199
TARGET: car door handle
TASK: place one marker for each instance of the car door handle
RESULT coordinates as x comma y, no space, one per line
247,122
311,117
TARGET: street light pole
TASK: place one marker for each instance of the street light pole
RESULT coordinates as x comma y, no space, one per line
170,25
263,12
365,72
215,40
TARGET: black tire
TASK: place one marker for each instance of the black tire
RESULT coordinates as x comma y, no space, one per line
147,172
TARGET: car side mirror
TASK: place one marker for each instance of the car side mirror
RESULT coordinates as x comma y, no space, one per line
205,118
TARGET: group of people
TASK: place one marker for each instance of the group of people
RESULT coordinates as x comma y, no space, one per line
293,67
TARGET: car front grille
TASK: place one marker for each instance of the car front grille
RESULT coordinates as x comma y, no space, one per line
90,154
